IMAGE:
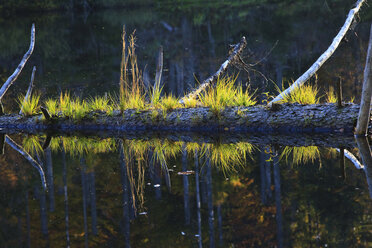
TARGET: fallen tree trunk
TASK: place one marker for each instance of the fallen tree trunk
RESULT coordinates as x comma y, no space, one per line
286,118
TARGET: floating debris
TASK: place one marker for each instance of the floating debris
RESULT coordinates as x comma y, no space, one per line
156,185
186,173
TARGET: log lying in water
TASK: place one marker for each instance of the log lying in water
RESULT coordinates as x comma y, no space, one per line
287,118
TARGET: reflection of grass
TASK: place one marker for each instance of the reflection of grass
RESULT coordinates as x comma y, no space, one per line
32,144
301,154
228,156
29,106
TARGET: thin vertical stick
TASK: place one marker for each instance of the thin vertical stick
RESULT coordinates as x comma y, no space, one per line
339,93
30,87
365,103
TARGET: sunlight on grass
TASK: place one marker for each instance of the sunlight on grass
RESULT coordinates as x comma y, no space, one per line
99,104
306,94
300,155
29,106
52,106
331,95
226,94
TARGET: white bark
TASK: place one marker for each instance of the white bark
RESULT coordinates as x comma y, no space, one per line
353,159
365,102
324,57
16,73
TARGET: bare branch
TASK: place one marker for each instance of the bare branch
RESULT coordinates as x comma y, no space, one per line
30,87
16,73
324,57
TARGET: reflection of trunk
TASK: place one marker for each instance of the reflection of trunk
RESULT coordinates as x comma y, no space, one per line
219,222
28,222
186,199
210,199
265,170
342,163
157,179
84,186
365,153
49,168
65,195
126,191
43,214
278,203
93,209
198,205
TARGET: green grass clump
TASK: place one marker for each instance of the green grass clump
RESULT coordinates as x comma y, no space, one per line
52,106
226,94
331,95
306,94
30,105
99,104
169,102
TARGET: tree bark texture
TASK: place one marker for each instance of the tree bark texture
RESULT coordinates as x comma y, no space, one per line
365,102
286,118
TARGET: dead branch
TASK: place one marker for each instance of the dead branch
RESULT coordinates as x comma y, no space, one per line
16,73
234,55
324,57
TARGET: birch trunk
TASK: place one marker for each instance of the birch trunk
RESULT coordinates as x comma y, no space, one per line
365,103
324,57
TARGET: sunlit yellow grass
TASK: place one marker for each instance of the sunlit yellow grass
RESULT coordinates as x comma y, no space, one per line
306,94
29,106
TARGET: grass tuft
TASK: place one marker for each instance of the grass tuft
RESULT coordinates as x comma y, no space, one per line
29,106
331,95
306,94
52,106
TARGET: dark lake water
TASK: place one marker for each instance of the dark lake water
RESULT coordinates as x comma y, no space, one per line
180,192
158,192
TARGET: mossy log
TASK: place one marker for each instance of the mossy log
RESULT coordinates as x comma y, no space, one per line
284,118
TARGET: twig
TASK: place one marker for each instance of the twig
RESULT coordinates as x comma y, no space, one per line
16,73
30,87
237,50
324,57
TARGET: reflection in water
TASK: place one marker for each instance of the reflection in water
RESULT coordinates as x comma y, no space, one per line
268,203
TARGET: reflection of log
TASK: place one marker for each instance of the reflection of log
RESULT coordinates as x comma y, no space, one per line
16,73
234,55
325,56
289,118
